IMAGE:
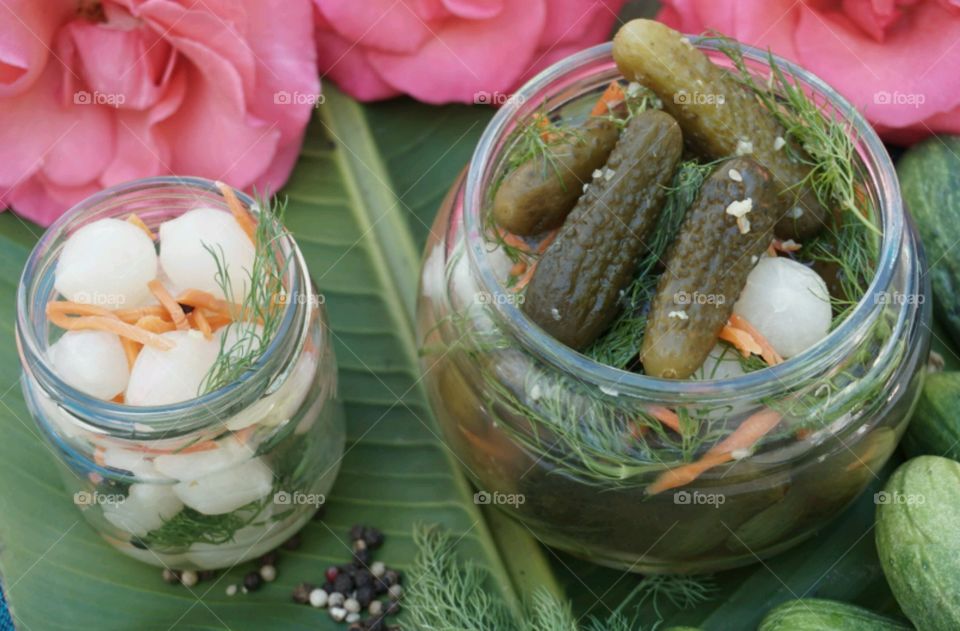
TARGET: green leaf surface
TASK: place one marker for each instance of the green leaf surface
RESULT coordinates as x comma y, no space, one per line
355,231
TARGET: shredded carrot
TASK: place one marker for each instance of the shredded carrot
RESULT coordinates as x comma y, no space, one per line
611,97
741,340
132,315
547,241
201,323
524,280
167,302
518,268
241,214
135,220
766,349
155,324
207,445
542,121
73,316
131,349
98,457
666,416
514,241
755,427
199,299
118,398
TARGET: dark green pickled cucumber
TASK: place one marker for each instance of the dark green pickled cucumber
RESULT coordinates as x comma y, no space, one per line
574,291
719,117
707,268
539,194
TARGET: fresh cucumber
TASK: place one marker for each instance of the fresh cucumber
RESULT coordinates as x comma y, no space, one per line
816,614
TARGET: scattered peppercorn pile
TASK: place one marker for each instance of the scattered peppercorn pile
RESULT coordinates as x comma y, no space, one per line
358,585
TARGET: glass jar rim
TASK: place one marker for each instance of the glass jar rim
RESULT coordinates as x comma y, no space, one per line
156,421
765,382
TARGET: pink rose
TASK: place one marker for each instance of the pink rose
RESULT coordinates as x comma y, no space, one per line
94,93
896,60
442,51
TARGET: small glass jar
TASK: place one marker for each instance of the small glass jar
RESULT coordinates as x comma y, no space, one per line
548,435
208,482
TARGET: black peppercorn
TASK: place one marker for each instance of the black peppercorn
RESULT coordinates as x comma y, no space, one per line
357,626
380,586
301,593
391,577
393,608
356,532
362,578
373,537
364,595
328,587
270,558
362,558
376,623
292,543
343,584
252,581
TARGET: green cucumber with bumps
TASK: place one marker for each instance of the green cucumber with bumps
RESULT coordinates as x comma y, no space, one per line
934,428
817,614
918,540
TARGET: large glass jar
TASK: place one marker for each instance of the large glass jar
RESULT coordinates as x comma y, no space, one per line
211,481
548,435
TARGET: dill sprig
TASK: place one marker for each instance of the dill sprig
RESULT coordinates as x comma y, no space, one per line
445,593
257,316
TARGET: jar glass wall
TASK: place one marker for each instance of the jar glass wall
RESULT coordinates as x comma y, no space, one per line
208,482
551,436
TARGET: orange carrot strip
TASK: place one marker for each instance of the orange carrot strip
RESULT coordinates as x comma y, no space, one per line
611,97
135,220
201,323
98,456
167,302
786,246
755,427
766,349
542,122
131,349
132,315
524,280
204,300
110,325
514,241
741,340
547,240
241,214
118,399
518,268
666,416
69,308
155,324
206,445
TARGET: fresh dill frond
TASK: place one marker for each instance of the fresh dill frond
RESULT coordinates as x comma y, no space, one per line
256,315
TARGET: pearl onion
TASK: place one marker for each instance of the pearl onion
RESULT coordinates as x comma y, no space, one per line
161,377
108,262
92,362
788,303
187,263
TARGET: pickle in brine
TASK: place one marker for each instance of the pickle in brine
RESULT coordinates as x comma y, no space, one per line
574,291
540,192
719,117
726,228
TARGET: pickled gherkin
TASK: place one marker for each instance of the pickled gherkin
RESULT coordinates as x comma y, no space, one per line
719,117
540,192
726,228
574,292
